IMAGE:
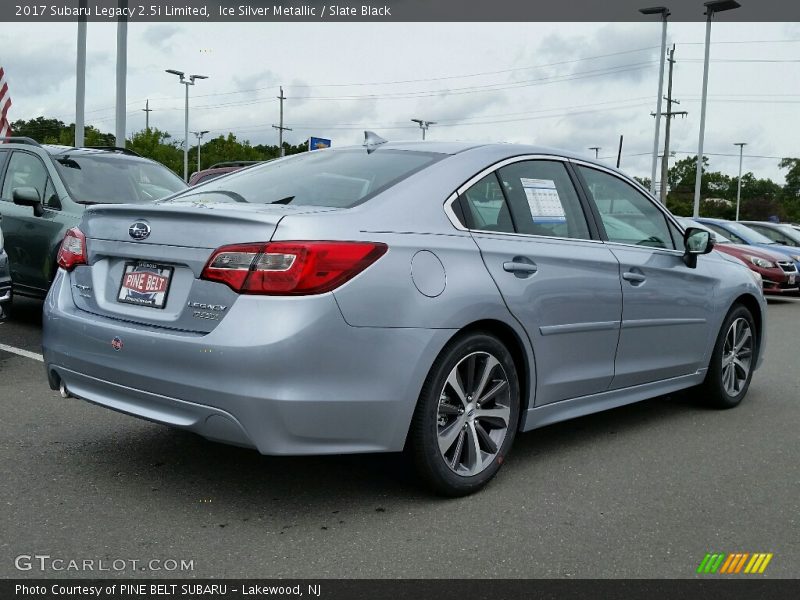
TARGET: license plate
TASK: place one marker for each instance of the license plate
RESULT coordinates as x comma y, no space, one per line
145,284
791,279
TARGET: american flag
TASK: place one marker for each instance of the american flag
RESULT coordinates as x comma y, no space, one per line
5,104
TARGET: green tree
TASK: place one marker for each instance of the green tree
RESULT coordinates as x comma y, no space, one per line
791,191
159,146
38,128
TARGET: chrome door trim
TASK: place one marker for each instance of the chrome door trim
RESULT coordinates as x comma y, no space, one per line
448,203
451,215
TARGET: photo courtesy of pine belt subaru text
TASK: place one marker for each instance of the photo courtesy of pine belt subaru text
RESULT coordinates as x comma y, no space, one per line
429,296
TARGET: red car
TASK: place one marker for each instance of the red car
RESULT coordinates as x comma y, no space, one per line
778,273
218,170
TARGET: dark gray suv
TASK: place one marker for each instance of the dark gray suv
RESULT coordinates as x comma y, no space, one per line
44,191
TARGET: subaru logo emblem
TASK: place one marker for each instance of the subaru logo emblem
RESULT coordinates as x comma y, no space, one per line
139,230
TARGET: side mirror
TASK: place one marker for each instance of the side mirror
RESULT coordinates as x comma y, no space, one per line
28,196
696,241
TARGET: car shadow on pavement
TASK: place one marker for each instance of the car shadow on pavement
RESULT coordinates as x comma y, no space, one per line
174,465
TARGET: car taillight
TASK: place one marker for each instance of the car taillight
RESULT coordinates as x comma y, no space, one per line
290,268
73,250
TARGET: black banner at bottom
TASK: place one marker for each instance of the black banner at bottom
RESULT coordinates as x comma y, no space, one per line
394,589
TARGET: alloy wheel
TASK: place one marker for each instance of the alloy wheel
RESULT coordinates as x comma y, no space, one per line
737,356
473,413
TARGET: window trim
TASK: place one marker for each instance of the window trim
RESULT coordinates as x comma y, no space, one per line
668,216
7,165
585,202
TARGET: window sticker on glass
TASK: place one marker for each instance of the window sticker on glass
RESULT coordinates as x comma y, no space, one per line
543,200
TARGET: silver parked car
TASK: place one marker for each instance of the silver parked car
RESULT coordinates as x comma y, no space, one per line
438,297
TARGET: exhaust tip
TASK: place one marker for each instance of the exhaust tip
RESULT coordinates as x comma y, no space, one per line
63,390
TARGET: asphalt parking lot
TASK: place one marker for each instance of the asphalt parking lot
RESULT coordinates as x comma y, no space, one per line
642,491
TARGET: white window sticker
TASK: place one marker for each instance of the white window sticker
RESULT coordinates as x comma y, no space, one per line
543,200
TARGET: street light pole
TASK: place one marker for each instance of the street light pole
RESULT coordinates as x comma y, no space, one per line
187,82
739,185
711,8
423,125
664,12
199,135
122,74
80,79
596,151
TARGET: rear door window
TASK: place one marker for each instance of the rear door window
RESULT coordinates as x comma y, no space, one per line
543,199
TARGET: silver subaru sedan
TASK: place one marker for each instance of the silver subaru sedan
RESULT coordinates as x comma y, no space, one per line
436,298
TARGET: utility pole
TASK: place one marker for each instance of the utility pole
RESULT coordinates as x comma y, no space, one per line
147,110
669,114
596,151
739,184
280,127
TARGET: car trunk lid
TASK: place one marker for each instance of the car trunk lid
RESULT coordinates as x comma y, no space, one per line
144,263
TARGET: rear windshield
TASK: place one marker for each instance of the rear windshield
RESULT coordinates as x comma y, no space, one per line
102,179
333,178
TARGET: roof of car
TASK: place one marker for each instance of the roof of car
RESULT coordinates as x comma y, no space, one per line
457,147
494,149
57,149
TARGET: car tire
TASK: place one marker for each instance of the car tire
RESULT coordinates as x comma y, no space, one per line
732,362
467,414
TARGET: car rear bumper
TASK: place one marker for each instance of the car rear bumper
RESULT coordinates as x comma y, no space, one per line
282,375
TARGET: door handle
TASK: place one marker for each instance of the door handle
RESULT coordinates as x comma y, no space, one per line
520,268
634,278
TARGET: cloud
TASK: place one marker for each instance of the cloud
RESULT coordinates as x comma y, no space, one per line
612,52
160,37
38,71
252,83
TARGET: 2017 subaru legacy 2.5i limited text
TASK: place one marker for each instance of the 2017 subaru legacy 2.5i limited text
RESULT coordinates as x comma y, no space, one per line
438,297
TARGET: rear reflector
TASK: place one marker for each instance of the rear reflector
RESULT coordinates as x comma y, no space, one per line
73,250
290,268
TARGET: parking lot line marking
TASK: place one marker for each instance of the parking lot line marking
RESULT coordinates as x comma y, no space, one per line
21,352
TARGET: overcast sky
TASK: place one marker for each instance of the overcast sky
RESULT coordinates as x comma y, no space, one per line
570,85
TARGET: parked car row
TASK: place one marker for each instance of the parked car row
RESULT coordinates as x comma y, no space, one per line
746,234
437,297
779,273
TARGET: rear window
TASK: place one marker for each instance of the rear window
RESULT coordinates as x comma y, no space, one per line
102,179
335,178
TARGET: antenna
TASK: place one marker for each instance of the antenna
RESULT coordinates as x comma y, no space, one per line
372,140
